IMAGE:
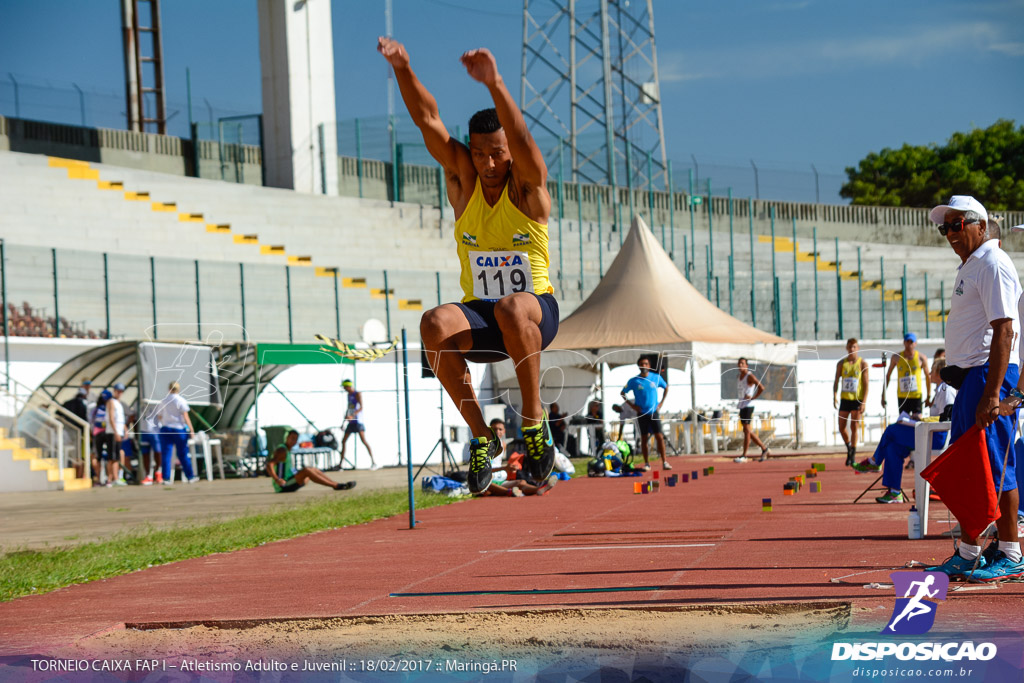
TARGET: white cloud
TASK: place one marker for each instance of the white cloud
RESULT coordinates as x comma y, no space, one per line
912,46
672,69
1008,49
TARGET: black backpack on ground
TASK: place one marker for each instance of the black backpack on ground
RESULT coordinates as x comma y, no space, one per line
325,439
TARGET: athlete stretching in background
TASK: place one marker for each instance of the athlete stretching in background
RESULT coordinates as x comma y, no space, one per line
354,422
498,188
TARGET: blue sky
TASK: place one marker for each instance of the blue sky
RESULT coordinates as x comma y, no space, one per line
787,83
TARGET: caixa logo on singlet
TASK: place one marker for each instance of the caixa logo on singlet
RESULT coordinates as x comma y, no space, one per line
917,599
499,261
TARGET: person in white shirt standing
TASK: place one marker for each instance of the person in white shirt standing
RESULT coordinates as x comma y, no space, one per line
175,431
114,434
982,341
748,389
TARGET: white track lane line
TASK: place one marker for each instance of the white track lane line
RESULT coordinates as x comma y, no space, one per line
601,547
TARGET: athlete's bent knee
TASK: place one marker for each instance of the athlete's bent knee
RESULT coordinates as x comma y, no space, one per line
436,325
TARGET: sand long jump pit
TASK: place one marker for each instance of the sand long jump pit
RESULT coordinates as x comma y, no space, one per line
531,640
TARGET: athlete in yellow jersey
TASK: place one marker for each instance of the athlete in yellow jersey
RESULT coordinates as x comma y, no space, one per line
498,188
852,383
911,372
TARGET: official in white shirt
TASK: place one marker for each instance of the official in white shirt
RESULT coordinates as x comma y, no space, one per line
982,341
175,430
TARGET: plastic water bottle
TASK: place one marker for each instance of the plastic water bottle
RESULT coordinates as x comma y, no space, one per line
913,523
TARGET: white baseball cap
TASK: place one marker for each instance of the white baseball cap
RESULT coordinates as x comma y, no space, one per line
958,202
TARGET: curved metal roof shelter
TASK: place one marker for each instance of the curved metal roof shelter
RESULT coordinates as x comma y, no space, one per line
119,362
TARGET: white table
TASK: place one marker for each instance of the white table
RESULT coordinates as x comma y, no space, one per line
922,456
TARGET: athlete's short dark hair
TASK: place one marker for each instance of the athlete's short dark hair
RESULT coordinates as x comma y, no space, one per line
485,121
292,431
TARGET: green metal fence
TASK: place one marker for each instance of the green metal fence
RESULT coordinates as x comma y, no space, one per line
116,296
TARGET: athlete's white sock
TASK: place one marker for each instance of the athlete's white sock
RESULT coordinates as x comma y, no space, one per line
1011,550
969,552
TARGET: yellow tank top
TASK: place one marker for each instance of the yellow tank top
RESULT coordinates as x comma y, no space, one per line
910,376
500,228
851,389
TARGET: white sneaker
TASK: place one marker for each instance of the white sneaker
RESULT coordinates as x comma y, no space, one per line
193,480
374,467
167,483
741,458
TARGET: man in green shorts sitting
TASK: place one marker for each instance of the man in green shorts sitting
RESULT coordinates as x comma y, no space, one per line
281,468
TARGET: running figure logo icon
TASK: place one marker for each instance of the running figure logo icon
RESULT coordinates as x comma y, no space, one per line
914,613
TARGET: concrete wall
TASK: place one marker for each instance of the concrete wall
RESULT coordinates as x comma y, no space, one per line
146,151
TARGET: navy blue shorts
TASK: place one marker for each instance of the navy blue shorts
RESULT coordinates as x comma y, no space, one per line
999,434
487,335
910,405
149,443
649,423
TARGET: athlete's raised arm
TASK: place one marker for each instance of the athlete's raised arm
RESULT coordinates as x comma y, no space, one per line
447,151
528,162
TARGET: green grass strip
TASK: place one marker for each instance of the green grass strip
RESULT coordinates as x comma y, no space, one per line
30,572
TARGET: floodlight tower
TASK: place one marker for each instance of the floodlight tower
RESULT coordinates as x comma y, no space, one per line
590,82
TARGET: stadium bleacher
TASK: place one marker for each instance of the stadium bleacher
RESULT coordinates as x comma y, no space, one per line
215,234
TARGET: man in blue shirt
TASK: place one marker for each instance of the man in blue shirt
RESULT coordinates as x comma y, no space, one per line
645,402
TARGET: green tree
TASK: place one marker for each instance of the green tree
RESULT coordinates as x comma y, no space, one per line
987,163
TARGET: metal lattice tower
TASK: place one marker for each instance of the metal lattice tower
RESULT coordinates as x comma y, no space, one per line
590,80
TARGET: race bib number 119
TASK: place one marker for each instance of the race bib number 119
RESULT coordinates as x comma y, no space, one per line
496,274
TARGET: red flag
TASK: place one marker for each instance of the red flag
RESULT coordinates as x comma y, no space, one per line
962,476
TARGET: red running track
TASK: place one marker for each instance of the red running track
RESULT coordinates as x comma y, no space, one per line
706,542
